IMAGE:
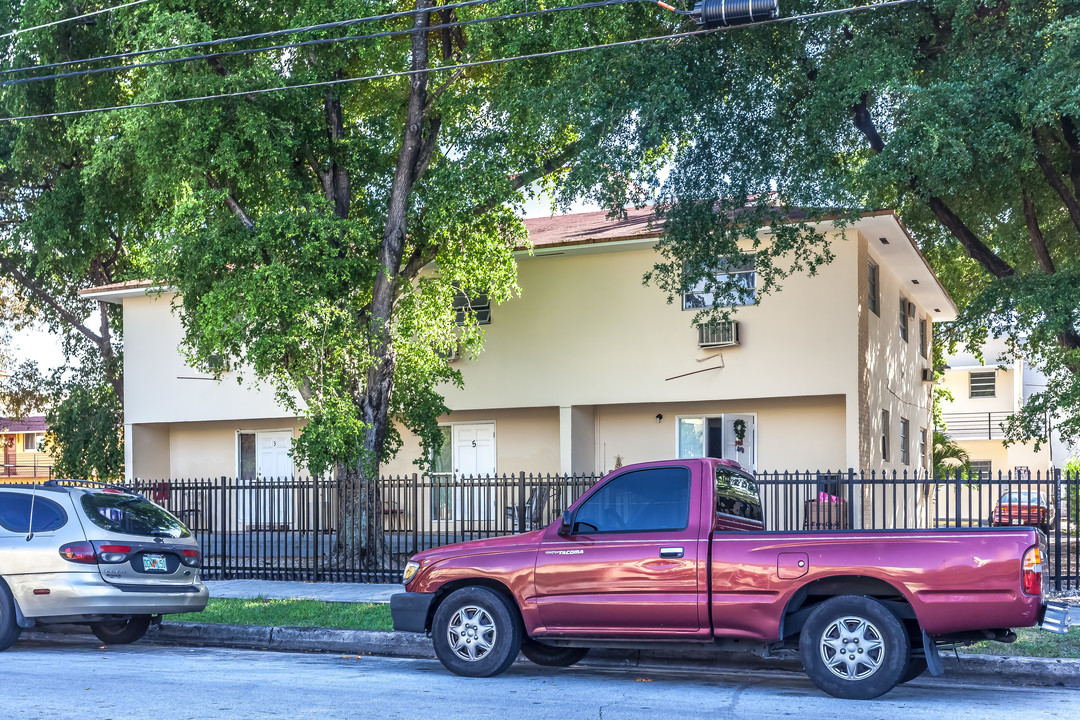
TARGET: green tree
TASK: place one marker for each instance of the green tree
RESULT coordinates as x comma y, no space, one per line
72,216
962,114
319,236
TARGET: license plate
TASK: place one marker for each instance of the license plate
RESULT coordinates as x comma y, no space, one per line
154,563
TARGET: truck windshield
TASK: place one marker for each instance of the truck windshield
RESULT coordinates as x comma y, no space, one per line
131,515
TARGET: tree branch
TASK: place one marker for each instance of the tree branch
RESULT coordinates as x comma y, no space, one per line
1053,178
976,248
230,203
1038,242
1072,139
427,149
9,268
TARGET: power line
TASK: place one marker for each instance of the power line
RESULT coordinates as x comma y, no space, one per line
458,66
325,41
256,36
71,19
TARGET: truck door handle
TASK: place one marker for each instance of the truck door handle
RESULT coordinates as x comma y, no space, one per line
671,552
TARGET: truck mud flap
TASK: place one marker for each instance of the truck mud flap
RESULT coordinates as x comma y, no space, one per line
1056,619
933,660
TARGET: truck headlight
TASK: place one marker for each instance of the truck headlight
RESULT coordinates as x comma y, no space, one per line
410,571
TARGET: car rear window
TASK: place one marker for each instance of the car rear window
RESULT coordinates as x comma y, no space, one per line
131,515
15,513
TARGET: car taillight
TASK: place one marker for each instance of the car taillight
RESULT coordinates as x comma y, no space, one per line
114,553
1032,572
190,557
79,552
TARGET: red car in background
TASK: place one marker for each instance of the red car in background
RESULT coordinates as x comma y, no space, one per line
1023,508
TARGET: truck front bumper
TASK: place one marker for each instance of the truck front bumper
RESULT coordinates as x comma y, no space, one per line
409,611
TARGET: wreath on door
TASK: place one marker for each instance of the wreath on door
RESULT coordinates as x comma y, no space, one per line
739,426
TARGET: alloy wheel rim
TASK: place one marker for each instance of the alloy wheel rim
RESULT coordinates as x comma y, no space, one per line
471,633
852,648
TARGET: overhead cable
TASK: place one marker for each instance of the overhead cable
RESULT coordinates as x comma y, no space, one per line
255,36
13,33
460,66
325,41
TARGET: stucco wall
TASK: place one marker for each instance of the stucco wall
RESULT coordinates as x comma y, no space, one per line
587,332
160,387
894,370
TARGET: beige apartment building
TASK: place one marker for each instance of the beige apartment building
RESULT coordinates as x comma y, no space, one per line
590,369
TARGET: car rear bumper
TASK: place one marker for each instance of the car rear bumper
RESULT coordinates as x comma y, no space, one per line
409,611
86,593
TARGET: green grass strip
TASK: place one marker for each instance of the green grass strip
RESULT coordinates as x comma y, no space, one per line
293,613
1033,642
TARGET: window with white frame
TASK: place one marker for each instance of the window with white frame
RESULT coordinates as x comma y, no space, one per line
885,435
924,459
905,458
872,295
735,284
903,318
983,384
32,441
730,435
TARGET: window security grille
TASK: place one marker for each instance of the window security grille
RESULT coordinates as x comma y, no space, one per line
723,334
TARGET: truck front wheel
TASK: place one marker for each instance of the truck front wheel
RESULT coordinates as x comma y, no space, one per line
854,647
476,632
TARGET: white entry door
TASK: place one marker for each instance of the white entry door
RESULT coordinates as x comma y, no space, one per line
273,501
474,468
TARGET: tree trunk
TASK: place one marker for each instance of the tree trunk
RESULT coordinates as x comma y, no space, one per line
361,533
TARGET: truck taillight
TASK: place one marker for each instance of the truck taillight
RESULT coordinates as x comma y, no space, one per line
1032,573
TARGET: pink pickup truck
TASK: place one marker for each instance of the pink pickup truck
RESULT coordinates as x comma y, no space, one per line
677,552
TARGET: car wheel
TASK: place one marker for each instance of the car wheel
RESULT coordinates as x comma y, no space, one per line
550,655
122,632
916,667
476,632
9,629
854,647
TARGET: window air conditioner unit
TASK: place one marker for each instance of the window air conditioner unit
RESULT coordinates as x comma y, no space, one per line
725,334
928,375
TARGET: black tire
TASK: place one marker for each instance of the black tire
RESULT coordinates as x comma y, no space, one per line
9,628
550,655
122,632
875,638
915,668
476,632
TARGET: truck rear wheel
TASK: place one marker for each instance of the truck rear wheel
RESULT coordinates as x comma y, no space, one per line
550,655
854,647
9,629
476,632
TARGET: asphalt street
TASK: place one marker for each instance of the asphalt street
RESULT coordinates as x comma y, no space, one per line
66,678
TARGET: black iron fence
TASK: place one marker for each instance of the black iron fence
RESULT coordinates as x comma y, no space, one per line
287,529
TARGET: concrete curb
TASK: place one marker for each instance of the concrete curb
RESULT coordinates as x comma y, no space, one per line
976,669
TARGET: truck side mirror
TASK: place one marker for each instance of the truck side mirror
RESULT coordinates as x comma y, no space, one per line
566,526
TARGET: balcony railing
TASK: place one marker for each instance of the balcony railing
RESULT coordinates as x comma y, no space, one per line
976,426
